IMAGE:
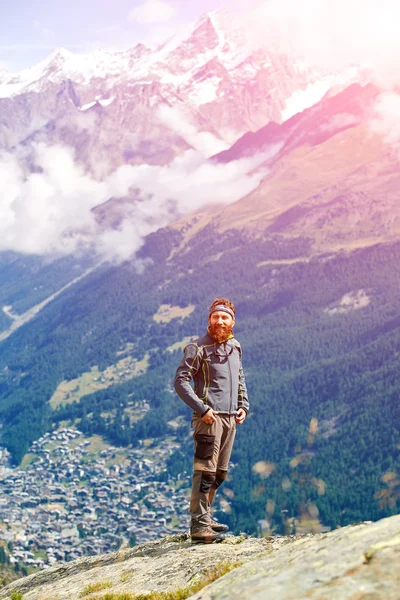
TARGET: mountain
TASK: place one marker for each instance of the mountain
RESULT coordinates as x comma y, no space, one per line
310,256
203,88
331,179
334,113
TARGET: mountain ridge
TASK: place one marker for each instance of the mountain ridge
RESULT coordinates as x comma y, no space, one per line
330,178
208,76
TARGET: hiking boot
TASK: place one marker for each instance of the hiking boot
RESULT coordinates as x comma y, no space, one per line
218,527
206,535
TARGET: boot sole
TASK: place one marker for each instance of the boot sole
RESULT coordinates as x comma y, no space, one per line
210,540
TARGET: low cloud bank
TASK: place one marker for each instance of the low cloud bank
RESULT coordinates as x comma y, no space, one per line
178,119
47,202
387,118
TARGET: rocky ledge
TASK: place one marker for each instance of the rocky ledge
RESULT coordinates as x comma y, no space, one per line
356,562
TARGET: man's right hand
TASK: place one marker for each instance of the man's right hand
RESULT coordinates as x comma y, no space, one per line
209,417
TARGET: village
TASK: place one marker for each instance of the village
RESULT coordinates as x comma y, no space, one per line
75,498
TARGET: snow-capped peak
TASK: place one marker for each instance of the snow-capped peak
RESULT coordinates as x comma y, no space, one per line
57,59
212,35
199,66
60,54
216,22
15,83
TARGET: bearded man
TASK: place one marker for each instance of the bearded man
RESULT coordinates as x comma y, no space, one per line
219,401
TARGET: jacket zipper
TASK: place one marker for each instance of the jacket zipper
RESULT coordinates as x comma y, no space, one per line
230,382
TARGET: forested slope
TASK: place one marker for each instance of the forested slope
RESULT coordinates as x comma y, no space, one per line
313,352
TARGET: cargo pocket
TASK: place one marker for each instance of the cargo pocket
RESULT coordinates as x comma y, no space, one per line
204,446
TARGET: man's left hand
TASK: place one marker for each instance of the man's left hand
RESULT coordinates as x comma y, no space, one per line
240,416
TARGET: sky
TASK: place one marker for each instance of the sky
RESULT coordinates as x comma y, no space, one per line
329,33
31,29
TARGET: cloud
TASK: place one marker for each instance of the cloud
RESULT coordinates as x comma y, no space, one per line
331,35
84,121
179,120
386,122
48,210
152,11
45,211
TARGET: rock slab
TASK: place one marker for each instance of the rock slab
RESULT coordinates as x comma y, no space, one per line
359,562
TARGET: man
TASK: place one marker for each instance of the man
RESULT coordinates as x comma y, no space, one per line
219,401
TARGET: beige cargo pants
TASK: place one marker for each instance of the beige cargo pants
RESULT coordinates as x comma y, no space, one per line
212,451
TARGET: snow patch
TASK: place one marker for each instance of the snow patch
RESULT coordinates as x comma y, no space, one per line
88,105
177,81
213,16
104,102
302,99
206,91
349,302
176,40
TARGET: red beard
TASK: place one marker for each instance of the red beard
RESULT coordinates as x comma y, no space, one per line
220,333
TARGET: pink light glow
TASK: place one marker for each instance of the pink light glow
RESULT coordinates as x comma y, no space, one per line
331,35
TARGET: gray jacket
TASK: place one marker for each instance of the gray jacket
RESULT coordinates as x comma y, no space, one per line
217,374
